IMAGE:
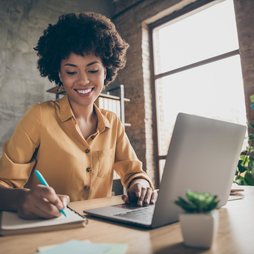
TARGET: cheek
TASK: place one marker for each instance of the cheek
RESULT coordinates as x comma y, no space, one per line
102,79
68,80
98,79
67,84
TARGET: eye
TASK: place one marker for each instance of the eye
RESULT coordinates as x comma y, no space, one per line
93,71
71,73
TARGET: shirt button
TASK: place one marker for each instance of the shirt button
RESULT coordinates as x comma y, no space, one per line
86,188
87,150
88,169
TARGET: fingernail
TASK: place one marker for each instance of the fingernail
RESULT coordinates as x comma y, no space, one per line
61,207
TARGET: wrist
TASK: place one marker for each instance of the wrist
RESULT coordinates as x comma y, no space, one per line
21,197
11,199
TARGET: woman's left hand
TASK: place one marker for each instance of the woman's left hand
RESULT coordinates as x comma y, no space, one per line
141,193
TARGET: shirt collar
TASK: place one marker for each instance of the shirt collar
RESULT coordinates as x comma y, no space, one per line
103,121
65,113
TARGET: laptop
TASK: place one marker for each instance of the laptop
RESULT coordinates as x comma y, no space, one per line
202,156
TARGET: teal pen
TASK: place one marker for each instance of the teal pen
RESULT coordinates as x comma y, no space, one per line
43,182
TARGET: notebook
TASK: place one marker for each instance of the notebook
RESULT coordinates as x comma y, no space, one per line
12,224
202,156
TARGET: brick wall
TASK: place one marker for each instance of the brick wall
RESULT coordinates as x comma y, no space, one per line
245,26
132,25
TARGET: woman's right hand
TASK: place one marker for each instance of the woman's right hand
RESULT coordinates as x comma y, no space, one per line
41,201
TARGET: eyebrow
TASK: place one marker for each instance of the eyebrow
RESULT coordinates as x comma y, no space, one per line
74,65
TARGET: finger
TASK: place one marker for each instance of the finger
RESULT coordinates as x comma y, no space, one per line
142,196
49,194
65,199
148,196
34,205
46,210
37,206
138,191
154,197
134,193
125,199
47,203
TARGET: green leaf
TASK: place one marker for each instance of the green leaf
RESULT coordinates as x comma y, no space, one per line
240,180
241,168
186,206
251,136
251,125
197,202
249,178
251,164
252,98
244,159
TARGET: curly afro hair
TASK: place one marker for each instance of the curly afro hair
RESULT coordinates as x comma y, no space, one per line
82,34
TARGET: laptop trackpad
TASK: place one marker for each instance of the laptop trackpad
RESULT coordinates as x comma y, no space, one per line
125,212
132,212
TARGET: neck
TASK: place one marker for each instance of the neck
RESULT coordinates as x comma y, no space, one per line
82,112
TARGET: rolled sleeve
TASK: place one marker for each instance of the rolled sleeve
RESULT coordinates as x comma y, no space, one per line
17,160
129,171
127,165
13,174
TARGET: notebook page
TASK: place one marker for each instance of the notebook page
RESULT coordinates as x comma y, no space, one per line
11,221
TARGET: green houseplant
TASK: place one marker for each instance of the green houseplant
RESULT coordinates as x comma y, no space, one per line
199,222
245,168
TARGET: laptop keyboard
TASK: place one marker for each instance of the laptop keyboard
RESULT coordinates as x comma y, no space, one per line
141,214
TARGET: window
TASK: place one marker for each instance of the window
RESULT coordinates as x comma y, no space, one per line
197,68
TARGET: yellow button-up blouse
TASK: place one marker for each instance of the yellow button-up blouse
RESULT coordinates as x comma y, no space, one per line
49,139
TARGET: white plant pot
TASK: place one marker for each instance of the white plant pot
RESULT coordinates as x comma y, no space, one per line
199,229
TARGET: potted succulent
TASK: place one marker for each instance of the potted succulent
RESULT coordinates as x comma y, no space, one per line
199,222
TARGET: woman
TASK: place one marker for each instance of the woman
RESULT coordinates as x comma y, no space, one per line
74,144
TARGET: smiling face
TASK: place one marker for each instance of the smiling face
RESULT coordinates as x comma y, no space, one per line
82,78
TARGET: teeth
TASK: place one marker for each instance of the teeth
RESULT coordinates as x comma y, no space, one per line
84,91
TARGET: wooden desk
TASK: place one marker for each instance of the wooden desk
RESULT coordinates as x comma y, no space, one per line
235,236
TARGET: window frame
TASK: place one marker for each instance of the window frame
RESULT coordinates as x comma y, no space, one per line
190,9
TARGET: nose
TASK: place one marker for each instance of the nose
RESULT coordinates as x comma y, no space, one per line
83,78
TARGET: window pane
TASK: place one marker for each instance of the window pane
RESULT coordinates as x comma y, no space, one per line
213,90
205,34
161,167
